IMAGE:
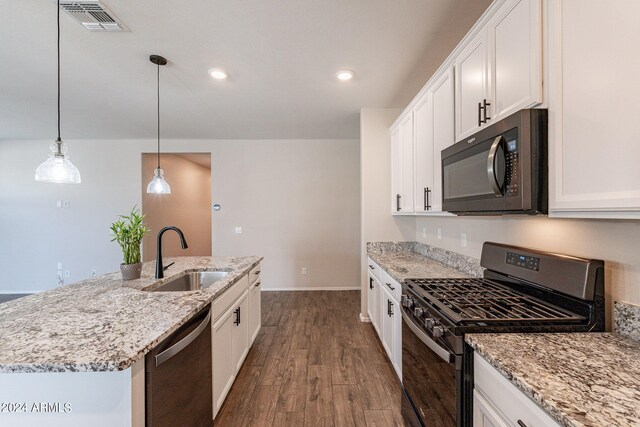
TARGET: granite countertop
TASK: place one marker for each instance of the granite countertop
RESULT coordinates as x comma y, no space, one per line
105,323
412,260
580,379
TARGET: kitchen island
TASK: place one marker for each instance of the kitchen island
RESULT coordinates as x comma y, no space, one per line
71,355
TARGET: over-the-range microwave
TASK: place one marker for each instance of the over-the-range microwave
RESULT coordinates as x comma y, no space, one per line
502,169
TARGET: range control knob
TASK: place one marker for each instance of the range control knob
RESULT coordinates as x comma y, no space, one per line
429,323
418,312
403,300
438,331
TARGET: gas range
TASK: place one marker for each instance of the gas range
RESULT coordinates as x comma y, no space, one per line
523,290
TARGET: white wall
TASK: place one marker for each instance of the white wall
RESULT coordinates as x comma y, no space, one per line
616,242
316,222
375,173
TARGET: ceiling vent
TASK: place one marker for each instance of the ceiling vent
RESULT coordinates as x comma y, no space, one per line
93,15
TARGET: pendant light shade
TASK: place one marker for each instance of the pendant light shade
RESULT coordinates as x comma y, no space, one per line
58,168
158,185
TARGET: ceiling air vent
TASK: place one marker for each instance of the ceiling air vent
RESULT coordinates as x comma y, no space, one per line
93,15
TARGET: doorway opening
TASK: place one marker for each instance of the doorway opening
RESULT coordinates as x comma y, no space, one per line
188,207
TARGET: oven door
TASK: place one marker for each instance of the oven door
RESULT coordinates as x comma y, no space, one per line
430,377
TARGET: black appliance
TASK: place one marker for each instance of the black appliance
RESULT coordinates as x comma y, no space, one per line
523,290
502,169
178,372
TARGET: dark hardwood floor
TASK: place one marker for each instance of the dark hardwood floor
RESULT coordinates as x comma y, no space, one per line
314,364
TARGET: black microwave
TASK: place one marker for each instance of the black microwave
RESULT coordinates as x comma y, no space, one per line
502,169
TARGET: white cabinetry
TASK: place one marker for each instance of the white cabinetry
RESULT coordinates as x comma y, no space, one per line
593,95
390,322
232,333
499,70
373,307
498,403
402,180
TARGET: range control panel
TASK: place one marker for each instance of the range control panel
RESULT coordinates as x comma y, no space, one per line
528,262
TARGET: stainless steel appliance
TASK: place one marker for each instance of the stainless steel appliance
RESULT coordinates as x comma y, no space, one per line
179,391
523,290
502,169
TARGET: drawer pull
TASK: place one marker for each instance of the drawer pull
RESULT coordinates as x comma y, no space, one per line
257,284
371,267
256,272
390,287
521,423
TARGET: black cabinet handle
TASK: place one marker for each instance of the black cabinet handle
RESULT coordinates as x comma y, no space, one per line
480,114
256,272
388,308
427,205
371,267
398,197
370,283
390,287
237,312
484,108
257,283
521,424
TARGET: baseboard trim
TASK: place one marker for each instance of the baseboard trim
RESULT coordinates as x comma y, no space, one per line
313,288
365,319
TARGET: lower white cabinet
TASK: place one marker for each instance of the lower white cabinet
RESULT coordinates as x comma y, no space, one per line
233,333
498,403
390,325
373,301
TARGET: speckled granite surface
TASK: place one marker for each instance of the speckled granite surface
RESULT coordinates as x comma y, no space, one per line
580,379
105,324
406,260
626,320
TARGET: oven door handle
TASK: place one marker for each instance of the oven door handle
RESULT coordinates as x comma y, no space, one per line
491,167
442,352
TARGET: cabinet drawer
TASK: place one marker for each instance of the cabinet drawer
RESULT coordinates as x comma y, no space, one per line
254,274
506,399
391,285
374,268
224,301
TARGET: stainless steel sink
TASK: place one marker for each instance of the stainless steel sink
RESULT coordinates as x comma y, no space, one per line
191,281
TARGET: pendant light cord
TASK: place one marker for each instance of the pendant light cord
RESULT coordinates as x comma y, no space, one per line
59,139
158,116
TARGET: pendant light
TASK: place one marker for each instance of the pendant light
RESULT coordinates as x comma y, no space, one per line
58,167
158,185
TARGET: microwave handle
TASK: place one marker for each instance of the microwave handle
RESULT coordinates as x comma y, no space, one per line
491,166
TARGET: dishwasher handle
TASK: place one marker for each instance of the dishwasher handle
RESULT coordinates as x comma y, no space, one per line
184,342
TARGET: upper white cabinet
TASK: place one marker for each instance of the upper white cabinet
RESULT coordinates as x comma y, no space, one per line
593,95
402,181
424,153
499,70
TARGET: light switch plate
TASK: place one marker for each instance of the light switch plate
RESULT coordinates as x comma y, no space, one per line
439,233
463,240
238,230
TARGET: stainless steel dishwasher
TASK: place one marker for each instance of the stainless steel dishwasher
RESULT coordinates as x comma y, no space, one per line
178,376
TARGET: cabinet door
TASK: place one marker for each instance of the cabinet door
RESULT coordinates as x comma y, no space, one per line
406,164
396,177
373,305
386,306
471,86
423,127
255,310
224,366
515,58
240,342
442,119
396,337
593,96
483,414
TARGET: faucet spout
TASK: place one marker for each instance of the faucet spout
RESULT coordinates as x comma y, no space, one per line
183,243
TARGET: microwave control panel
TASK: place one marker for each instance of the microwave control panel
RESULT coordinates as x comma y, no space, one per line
511,158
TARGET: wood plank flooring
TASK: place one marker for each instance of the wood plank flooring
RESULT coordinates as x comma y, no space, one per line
314,364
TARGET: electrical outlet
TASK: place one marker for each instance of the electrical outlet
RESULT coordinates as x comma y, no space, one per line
66,203
439,233
58,203
303,271
463,240
93,272
424,231
238,230
67,274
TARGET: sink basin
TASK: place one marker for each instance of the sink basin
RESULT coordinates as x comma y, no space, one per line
191,281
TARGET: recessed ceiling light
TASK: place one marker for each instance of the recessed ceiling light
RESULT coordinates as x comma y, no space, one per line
345,75
218,74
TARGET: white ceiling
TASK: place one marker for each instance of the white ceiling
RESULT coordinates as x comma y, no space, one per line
281,56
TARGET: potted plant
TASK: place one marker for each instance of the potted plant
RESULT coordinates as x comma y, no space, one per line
128,231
